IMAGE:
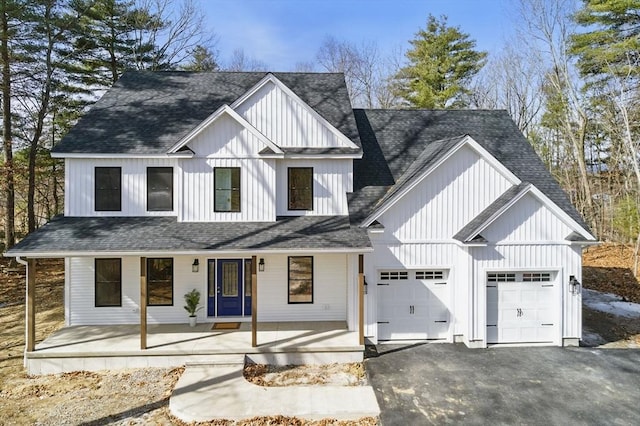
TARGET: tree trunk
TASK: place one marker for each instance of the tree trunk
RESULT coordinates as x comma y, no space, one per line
9,188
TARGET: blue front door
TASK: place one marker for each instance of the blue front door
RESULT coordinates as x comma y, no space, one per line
229,287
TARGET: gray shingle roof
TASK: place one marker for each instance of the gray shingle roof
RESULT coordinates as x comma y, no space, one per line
466,234
147,112
136,234
393,139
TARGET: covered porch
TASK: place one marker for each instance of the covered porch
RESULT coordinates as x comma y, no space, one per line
98,347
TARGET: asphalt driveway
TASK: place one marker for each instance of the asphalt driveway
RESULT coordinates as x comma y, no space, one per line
435,383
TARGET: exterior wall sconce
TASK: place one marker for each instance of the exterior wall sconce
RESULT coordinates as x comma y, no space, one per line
574,285
195,266
261,265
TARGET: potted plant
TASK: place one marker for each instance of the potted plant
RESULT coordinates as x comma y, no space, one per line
192,300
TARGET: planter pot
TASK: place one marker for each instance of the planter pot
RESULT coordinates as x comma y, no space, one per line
193,321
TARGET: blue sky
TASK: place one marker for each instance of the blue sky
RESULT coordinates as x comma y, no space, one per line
282,33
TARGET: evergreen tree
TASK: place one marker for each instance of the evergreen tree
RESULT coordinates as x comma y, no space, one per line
202,59
611,44
442,62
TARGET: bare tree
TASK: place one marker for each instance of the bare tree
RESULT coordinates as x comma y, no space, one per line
241,62
546,28
364,71
512,81
174,31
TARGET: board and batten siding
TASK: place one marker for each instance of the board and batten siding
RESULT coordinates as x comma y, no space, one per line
443,203
226,138
329,290
286,121
332,179
80,186
257,190
81,299
527,220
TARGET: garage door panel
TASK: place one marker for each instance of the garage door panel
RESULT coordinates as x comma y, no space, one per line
521,307
415,306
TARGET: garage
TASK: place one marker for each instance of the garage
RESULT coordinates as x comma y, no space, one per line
522,307
413,304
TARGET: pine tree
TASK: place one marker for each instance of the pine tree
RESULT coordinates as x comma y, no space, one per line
611,44
442,62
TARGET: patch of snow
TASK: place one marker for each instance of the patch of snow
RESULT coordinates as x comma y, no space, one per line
610,303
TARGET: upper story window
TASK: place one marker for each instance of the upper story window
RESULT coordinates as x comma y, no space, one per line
227,189
159,189
300,185
108,189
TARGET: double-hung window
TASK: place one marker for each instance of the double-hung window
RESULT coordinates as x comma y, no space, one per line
160,281
300,188
159,189
108,181
108,282
300,279
226,181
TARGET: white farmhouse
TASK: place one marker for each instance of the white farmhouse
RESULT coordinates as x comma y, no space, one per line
281,204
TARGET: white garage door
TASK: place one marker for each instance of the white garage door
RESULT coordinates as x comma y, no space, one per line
413,305
522,307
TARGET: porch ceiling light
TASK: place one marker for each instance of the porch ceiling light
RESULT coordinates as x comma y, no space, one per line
195,266
261,265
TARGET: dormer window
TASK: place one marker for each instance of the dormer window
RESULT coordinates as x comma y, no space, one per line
108,182
227,189
300,186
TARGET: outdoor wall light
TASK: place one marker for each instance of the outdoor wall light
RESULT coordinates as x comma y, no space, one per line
261,265
574,284
195,266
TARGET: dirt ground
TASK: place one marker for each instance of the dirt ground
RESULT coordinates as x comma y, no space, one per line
137,397
608,268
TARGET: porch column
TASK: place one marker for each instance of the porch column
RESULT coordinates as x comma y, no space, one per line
30,343
254,301
361,297
143,303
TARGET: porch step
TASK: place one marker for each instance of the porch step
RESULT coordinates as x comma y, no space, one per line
222,359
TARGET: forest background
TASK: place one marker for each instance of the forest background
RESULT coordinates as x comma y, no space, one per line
569,78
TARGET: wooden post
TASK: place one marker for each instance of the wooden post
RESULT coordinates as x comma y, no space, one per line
143,303
361,297
254,301
30,343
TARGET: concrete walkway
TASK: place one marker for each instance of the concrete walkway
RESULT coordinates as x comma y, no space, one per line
209,392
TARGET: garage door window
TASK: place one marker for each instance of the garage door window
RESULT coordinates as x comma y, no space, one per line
429,275
536,277
501,278
394,275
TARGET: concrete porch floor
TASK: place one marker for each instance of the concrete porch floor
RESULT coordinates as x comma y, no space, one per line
99,347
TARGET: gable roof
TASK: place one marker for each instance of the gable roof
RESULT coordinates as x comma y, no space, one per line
472,229
471,232
393,139
148,112
223,110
